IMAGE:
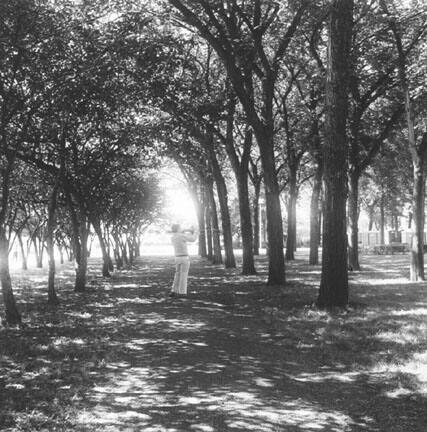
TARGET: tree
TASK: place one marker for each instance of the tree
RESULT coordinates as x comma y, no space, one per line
237,33
334,280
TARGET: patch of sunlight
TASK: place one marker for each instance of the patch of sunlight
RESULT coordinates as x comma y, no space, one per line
326,376
15,386
126,286
416,312
108,320
102,417
84,315
202,428
398,392
398,338
389,282
263,382
416,366
62,340
133,300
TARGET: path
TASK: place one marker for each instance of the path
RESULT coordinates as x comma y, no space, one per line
124,357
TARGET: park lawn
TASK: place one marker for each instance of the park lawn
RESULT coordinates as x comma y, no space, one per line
235,356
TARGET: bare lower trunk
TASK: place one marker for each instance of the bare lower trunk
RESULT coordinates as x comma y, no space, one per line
417,244
353,216
292,226
51,292
315,217
256,217
333,290
216,257
382,218
105,255
276,258
12,315
24,264
208,227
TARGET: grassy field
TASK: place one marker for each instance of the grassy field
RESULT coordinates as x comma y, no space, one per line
234,356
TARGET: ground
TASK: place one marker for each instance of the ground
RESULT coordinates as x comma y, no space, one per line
235,356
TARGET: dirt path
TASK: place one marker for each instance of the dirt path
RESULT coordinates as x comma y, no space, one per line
234,356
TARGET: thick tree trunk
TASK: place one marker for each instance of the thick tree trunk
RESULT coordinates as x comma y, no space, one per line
276,258
353,216
417,243
315,216
248,265
12,315
38,249
81,270
51,293
292,221
334,279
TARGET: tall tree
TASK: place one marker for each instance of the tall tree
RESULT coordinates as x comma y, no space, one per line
334,280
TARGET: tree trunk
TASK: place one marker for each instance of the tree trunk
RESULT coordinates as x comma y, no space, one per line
105,256
24,265
315,216
221,187
216,257
276,258
51,293
417,243
201,209
382,219
292,209
208,220
353,215
81,270
334,279
12,315
248,265
256,217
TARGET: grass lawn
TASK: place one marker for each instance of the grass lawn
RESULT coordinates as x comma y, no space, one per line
234,356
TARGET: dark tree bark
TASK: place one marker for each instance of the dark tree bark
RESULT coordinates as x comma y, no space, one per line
106,259
291,238
24,264
216,256
315,215
208,220
353,217
256,216
51,292
222,33
241,173
334,280
230,261
201,209
382,218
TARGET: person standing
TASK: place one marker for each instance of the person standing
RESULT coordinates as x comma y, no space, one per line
179,241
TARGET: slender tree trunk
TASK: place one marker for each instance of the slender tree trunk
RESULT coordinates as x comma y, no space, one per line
221,187
334,279
51,293
382,218
276,258
371,216
217,257
417,243
315,216
24,265
208,220
81,270
105,256
201,209
256,216
353,215
292,209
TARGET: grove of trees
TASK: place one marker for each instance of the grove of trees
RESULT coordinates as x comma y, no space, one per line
253,100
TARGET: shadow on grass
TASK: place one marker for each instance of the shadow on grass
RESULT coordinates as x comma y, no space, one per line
235,356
